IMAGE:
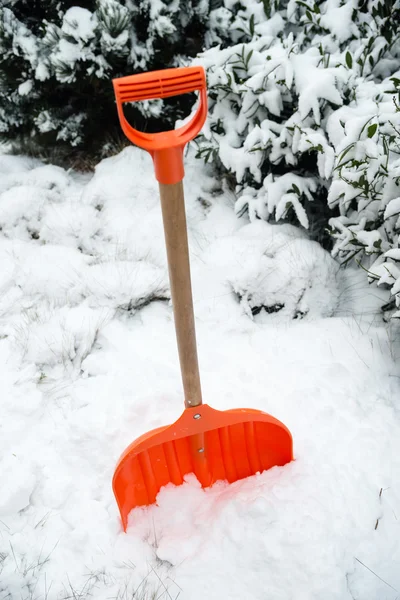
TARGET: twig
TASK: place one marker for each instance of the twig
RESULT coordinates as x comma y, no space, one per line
388,584
15,560
161,582
42,520
5,524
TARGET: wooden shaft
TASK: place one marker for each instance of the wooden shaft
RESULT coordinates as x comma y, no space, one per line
174,218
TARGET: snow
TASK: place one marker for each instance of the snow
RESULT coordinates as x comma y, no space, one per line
338,19
88,362
313,84
79,23
25,88
263,259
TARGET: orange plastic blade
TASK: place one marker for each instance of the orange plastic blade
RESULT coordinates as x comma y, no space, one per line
214,445
165,147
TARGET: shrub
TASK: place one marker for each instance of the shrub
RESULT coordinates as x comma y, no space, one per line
57,60
304,119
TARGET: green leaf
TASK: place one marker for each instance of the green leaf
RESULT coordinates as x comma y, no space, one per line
248,57
349,147
308,14
372,129
349,60
251,25
267,8
296,189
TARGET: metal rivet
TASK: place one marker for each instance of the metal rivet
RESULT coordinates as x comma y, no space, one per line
200,450
197,416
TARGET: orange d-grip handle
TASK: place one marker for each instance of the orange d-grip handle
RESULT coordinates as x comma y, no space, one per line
166,147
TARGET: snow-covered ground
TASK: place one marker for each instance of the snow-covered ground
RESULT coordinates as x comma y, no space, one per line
88,362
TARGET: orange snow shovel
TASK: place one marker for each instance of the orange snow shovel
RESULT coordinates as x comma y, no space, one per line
214,445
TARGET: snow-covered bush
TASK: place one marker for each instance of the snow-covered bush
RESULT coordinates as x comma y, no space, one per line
304,119
304,100
57,61
366,184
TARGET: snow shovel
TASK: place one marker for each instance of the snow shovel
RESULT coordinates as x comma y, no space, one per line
214,445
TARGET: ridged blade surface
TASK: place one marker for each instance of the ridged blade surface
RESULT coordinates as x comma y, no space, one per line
249,443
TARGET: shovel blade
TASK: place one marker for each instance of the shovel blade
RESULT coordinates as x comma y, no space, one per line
214,445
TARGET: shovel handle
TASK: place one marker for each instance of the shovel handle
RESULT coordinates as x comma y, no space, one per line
175,231
166,147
